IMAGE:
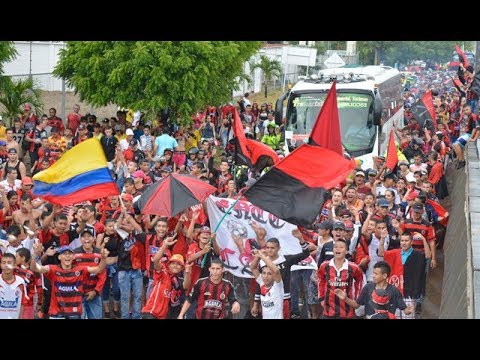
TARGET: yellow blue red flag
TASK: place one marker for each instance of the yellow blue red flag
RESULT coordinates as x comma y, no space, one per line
81,174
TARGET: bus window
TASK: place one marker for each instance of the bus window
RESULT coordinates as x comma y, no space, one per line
355,113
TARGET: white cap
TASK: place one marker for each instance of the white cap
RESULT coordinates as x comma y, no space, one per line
129,132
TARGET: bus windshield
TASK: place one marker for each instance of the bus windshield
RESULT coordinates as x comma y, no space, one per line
355,112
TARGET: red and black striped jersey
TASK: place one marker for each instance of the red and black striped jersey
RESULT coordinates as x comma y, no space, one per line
94,281
28,277
423,227
67,289
348,278
211,298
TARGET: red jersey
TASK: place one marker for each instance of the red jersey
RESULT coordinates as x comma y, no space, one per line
348,278
94,281
67,289
212,298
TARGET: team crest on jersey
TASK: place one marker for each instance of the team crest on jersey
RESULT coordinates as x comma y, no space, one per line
57,273
96,260
28,275
222,296
77,273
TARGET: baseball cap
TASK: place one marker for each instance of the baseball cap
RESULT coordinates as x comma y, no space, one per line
177,258
167,149
348,225
127,197
410,178
382,202
403,162
87,230
12,150
360,173
129,132
63,249
82,127
205,229
3,143
417,207
27,180
117,127
325,225
138,174
372,172
338,225
424,172
379,298
412,195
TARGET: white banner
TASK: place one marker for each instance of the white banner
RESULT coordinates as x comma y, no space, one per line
236,229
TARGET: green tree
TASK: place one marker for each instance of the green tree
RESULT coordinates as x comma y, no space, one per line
372,52
15,94
152,75
7,53
270,68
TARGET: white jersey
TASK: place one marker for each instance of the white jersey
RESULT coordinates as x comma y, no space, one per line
271,299
11,297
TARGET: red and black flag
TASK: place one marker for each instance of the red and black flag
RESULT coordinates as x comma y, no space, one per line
250,152
294,189
392,156
440,210
461,56
326,130
424,111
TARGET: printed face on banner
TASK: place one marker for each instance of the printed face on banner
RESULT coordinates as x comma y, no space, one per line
236,235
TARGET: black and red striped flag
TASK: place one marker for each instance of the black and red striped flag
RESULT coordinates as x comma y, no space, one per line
424,111
461,56
251,152
293,190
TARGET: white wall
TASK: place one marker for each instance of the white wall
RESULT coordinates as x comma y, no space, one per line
43,59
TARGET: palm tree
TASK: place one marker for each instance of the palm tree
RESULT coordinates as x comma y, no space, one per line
270,68
16,93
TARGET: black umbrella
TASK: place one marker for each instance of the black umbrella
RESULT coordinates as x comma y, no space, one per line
173,194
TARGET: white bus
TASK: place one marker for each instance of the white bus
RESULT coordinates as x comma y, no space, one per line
369,101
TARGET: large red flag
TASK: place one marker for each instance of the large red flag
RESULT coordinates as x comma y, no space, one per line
394,259
392,156
326,130
461,55
440,210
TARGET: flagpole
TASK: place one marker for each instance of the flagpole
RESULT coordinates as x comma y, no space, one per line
204,260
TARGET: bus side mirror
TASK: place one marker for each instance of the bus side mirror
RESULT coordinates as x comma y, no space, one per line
377,109
279,108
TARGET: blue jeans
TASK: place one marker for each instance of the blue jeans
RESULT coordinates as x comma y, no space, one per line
130,283
473,104
297,278
92,309
112,277
149,288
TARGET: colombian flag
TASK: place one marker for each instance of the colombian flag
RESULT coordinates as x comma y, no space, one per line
80,174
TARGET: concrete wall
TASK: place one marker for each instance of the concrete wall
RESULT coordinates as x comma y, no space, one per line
455,277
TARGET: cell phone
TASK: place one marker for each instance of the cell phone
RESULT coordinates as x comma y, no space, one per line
254,244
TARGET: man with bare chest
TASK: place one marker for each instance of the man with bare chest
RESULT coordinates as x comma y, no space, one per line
26,215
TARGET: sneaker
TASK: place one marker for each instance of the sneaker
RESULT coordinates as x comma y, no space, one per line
294,316
117,314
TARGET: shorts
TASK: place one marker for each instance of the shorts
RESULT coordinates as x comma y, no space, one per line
462,140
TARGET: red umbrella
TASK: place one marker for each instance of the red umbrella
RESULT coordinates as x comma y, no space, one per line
173,194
